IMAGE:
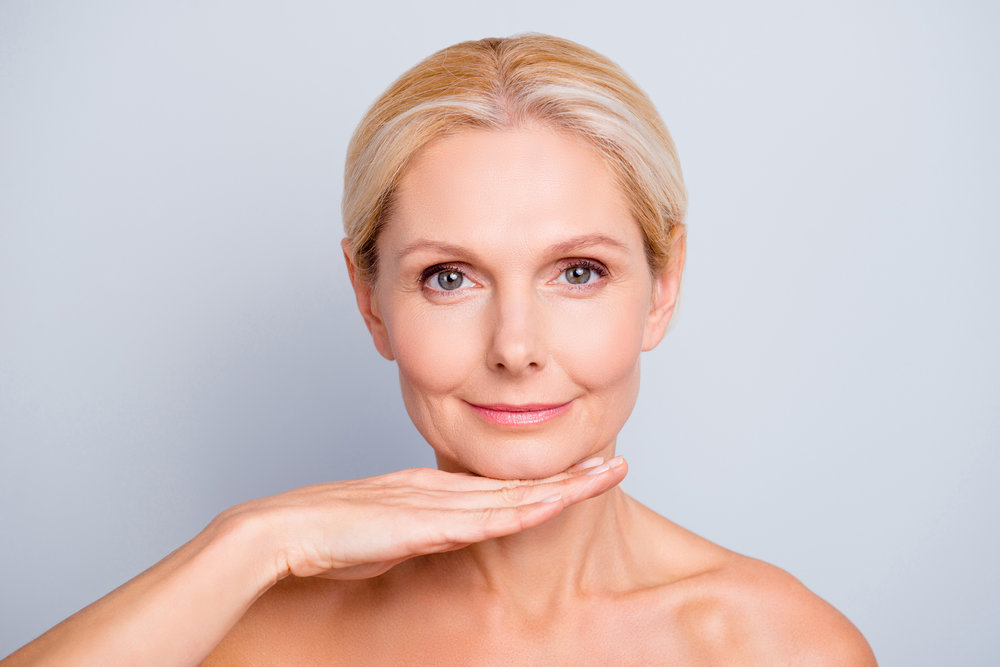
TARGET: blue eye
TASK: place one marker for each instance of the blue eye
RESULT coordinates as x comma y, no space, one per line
445,279
450,279
582,273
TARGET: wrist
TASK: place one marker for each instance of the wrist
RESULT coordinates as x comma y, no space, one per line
250,534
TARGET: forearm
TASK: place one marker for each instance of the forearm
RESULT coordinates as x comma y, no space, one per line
175,613
179,610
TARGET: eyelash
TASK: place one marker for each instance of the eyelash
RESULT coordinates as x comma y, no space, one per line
432,271
590,265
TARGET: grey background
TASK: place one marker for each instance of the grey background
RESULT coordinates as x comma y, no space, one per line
177,333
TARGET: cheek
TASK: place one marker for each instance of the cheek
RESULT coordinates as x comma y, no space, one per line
435,350
600,348
439,349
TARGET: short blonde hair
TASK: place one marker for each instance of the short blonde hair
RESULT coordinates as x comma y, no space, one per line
503,83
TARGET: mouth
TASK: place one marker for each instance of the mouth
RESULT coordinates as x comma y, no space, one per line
520,415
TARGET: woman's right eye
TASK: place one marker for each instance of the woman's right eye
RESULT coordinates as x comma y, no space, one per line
446,279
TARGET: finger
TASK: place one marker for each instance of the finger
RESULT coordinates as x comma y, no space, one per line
448,481
605,477
490,522
429,529
470,526
587,484
586,464
573,487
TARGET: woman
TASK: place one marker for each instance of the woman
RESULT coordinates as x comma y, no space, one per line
514,216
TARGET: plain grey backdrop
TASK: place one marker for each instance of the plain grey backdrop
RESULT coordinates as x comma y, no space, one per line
177,333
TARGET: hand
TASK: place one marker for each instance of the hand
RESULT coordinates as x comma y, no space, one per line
362,528
342,530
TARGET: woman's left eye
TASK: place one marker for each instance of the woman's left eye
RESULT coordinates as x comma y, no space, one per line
581,273
578,275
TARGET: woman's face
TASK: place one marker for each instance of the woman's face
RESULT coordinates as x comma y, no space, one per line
513,292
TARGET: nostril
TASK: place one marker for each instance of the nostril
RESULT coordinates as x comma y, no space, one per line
515,346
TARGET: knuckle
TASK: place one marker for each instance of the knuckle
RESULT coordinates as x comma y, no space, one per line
412,475
513,494
486,515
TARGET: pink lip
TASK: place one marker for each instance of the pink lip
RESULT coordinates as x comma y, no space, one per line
519,415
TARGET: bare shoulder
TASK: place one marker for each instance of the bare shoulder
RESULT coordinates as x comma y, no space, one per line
746,609
720,607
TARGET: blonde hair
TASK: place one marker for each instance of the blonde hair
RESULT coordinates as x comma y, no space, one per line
503,83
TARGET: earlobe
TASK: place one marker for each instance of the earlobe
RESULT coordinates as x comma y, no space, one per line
365,297
666,290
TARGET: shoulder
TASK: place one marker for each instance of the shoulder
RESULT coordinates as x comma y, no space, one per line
747,610
720,607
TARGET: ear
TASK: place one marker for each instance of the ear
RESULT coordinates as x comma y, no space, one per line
666,290
364,294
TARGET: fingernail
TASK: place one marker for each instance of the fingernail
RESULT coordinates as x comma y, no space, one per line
598,471
591,463
615,462
552,499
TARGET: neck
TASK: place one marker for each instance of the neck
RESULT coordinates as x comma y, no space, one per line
578,553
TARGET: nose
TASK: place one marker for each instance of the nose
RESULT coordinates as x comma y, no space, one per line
517,336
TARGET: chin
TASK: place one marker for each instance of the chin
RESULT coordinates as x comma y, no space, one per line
523,460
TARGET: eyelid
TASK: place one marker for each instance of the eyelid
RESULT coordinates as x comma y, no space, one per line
593,265
599,268
431,271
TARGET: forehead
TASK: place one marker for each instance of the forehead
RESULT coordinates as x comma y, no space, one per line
525,185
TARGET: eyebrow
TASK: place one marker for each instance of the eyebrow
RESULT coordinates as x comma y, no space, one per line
586,241
563,247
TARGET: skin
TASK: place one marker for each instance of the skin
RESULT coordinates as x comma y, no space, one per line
521,208
521,547
607,581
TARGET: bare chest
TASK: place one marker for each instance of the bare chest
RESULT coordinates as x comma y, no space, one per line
603,646
594,633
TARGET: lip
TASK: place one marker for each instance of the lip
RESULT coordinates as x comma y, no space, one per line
520,415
